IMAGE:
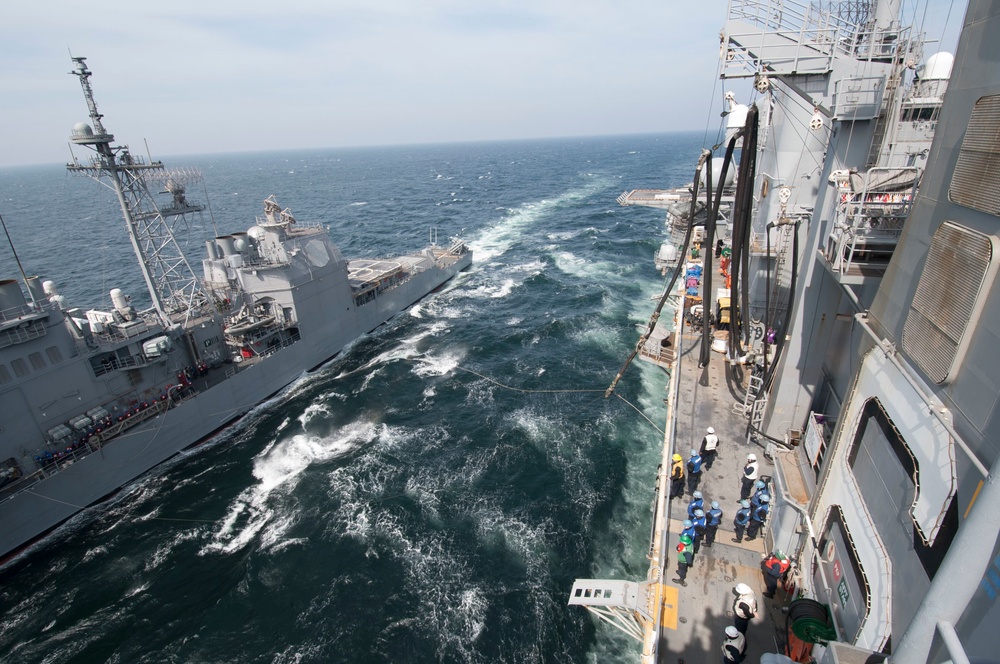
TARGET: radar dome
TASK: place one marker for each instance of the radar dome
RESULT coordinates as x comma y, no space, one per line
717,169
938,67
256,233
82,129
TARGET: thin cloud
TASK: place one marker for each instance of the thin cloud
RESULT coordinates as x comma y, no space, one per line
226,76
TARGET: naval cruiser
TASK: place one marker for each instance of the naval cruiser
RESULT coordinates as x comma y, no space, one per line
832,280
93,399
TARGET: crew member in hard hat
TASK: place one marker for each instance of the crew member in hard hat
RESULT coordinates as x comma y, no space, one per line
697,503
734,648
774,566
749,478
741,520
685,556
744,607
694,465
714,521
709,447
759,491
676,476
700,522
758,516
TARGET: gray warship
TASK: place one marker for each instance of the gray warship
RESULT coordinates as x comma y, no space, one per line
93,399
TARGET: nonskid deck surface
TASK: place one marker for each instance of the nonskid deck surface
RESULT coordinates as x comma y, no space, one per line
704,606
365,270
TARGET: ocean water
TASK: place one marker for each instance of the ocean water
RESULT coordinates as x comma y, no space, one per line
430,495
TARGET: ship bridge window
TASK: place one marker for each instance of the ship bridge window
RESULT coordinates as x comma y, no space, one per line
55,355
4,374
928,113
19,366
37,362
975,182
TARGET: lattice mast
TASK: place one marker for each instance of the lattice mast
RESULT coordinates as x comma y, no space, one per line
173,287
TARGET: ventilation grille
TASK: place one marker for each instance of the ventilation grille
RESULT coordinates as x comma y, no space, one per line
945,298
976,180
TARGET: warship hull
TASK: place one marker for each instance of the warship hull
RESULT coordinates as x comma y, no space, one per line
93,399
34,511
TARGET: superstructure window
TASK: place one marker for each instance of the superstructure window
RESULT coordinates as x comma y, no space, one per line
55,356
37,362
921,113
20,367
4,374
975,182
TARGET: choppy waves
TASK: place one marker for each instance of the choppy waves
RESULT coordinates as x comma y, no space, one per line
427,496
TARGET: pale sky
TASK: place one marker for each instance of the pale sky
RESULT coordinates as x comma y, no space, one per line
227,76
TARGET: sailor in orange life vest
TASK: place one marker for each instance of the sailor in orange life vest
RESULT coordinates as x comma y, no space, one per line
774,566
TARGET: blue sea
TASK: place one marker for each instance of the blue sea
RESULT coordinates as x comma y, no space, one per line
428,496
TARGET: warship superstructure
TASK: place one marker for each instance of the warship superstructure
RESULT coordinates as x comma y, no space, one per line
92,399
844,279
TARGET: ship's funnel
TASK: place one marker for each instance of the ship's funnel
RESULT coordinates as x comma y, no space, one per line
11,298
227,244
36,289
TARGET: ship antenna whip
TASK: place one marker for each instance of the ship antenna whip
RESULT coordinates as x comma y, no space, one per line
705,154
16,259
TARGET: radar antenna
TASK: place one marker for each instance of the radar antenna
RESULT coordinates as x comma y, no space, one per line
175,291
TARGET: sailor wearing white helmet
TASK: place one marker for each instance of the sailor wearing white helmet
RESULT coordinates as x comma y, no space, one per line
744,607
734,648
709,447
750,474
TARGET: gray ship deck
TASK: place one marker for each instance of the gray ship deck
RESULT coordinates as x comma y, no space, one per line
694,617
693,630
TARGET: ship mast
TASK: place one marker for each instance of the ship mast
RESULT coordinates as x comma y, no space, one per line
175,291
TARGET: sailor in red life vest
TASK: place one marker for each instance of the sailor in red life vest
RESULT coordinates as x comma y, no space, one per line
774,566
